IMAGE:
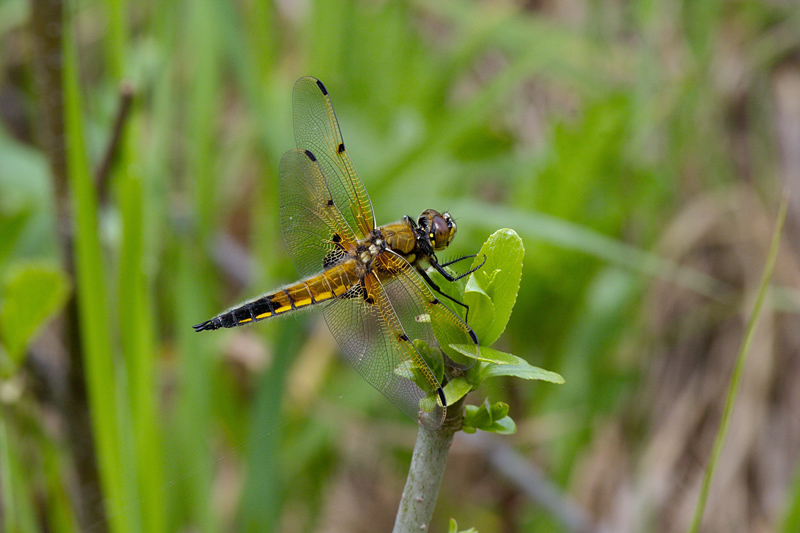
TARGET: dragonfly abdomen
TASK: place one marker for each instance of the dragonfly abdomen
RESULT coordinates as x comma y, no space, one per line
325,286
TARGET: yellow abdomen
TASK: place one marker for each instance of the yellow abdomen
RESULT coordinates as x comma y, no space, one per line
317,289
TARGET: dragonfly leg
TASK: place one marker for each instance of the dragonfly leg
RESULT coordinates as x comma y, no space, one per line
436,288
449,277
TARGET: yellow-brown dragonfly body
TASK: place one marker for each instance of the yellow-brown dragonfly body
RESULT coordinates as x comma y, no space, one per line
372,279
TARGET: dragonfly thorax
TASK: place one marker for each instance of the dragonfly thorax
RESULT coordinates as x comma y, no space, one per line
369,248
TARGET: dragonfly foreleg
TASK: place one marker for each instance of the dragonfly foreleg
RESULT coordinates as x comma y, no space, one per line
449,277
436,288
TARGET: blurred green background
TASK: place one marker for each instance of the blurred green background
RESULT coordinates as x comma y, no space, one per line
639,149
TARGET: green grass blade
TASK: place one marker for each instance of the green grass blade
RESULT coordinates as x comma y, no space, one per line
736,378
200,71
137,344
59,510
143,451
91,295
17,513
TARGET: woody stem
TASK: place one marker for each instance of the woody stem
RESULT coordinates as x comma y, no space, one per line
426,471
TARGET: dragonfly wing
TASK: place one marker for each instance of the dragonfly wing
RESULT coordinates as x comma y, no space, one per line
316,129
371,338
421,314
313,229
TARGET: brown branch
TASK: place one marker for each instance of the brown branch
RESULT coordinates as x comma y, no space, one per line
104,169
47,18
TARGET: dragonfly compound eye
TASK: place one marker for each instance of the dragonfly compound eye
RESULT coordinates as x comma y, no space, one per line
442,232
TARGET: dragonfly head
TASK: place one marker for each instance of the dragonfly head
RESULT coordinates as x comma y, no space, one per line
439,228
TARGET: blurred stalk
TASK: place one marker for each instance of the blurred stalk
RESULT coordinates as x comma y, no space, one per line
93,303
426,471
18,514
199,85
137,344
736,378
143,472
47,24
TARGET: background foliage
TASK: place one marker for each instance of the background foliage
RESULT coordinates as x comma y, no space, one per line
638,148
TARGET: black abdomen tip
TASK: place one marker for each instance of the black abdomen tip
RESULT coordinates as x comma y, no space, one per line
208,325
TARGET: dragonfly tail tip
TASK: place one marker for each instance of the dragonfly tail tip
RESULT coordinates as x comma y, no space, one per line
207,325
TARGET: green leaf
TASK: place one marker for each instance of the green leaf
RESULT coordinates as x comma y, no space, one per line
453,528
456,389
523,371
32,294
481,308
498,280
492,418
410,370
504,426
478,416
499,410
406,370
505,364
433,358
428,403
489,355
11,227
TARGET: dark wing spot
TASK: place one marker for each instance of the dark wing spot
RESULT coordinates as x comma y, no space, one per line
310,155
341,147
330,202
322,88
336,238
403,337
473,336
441,396
435,301
355,291
334,257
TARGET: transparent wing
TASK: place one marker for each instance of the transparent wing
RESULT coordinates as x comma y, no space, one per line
421,314
316,129
312,228
370,336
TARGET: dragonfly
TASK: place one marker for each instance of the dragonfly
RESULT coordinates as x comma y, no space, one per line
371,280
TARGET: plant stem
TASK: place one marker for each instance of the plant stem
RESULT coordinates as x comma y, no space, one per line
425,473
47,20
733,388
